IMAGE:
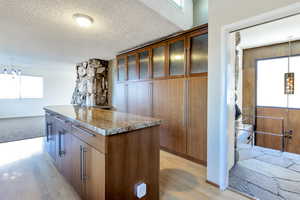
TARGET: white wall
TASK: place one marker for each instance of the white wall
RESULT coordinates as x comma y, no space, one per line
59,82
200,12
224,12
169,10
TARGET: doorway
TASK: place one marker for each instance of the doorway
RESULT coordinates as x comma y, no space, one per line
267,89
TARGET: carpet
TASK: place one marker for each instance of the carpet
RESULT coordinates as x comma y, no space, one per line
13,129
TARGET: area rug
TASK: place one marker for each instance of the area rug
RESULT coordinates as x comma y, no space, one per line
13,129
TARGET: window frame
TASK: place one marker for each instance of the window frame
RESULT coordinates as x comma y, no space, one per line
256,83
19,97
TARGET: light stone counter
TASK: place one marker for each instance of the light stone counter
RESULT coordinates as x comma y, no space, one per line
104,122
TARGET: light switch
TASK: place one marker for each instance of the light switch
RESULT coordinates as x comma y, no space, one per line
141,190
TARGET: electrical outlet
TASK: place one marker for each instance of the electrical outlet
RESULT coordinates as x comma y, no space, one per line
141,190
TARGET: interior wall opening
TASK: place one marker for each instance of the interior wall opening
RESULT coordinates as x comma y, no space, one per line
267,110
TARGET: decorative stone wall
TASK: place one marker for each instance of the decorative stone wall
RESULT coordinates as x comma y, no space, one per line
91,83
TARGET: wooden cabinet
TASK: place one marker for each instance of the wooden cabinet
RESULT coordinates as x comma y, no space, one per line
88,175
63,149
77,179
177,93
94,173
197,119
107,167
169,105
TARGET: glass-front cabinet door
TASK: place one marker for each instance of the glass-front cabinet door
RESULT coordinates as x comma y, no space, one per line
158,61
177,57
144,65
121,62
132,69
198,54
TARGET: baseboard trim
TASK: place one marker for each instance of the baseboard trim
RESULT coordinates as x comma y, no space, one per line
184,156
18,117
213,184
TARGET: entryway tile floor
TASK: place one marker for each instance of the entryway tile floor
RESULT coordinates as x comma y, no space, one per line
266,174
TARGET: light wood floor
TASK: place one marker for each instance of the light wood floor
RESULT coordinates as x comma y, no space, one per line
26,174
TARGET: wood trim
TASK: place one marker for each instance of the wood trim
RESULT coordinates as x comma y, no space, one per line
203,74
184,156
167,60
126,68
213,184
150,63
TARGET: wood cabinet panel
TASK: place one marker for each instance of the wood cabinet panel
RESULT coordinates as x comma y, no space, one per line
169,105
140,98
120,97
197,118
77,179
95,174
135,157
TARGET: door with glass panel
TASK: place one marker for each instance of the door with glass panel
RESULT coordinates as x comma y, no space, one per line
278,103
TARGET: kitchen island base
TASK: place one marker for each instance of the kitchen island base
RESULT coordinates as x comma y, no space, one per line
104,167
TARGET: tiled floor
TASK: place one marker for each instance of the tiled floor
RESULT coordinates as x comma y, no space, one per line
266,174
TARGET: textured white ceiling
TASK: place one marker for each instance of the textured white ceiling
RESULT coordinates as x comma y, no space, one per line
43,30
271,33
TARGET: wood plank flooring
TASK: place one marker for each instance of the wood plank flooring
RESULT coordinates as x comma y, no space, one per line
27,174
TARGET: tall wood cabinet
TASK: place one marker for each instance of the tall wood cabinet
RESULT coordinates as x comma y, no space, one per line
168,104
175,90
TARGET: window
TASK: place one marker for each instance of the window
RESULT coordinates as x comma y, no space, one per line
270,82
20,87
179,3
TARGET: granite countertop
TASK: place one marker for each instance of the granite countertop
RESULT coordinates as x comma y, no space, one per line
104,122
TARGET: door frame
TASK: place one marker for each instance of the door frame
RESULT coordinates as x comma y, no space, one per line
227,67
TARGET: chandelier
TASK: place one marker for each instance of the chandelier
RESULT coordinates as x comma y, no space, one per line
11,70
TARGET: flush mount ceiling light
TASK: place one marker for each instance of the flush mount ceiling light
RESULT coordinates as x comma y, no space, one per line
83,20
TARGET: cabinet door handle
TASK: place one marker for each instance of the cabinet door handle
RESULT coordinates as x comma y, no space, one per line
48,131
61,152
82,163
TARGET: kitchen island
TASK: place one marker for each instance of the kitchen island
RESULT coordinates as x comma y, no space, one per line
104,154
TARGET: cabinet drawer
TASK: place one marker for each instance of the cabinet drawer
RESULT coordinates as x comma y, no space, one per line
95,140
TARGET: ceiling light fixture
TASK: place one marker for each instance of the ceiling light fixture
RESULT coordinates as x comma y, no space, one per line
83,20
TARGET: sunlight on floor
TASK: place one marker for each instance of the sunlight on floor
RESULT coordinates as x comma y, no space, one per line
14,151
